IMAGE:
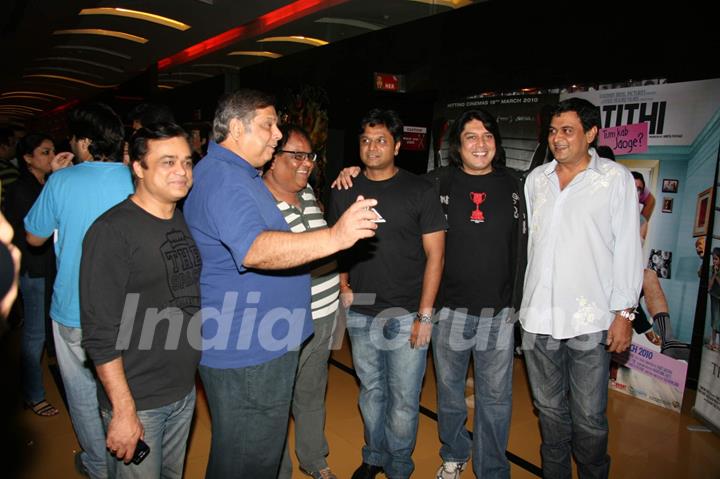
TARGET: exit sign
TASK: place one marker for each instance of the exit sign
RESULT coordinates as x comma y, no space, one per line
389,82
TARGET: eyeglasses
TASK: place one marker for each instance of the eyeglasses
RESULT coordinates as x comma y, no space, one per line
300,155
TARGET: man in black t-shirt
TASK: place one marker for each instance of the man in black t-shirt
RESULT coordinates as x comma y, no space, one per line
481,288
139,291
485,258
390,282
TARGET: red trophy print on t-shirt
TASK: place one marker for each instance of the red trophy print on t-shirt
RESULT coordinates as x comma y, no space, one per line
477,216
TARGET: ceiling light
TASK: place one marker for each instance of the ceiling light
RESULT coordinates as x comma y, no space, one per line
251,53
19,107
7,93
446,3
166,87
191,74
70,79
61,69
26,97
80,60
259,26
102,33
215,65
175,80
94,49
316,42
15,113
350,22
138,15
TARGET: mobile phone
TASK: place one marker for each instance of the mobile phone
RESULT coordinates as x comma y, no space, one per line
141,452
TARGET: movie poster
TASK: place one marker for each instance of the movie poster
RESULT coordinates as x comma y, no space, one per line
707,401
677,169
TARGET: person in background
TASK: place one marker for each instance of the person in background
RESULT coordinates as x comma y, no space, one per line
10,258
37,160
646,198
9,171
70,201
144,114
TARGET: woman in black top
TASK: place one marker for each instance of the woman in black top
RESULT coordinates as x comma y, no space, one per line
36,154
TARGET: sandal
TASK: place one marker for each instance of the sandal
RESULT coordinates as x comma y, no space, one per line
43,408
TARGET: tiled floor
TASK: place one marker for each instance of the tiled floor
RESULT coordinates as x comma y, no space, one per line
645,440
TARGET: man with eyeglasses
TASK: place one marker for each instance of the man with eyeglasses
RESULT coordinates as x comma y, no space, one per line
389,283
286,177
255,301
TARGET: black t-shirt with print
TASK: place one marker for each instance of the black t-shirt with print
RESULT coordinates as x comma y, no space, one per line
135,262
480,243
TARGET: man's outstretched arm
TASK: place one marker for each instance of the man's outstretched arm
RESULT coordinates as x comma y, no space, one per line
283,250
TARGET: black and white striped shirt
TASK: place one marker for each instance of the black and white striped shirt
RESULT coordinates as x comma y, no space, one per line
325,278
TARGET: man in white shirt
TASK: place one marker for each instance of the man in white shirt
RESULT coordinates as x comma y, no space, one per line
583,279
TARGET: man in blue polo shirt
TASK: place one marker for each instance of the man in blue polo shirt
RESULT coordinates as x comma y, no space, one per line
256,308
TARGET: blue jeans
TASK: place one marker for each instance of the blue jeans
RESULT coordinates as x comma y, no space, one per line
33,338
81,390
250,409
489,340
569,382
166,433
391,374
308,404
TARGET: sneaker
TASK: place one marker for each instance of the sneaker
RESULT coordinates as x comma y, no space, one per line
450,470
321,474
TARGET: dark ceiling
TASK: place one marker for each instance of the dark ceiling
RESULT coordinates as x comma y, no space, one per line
45,67
443,50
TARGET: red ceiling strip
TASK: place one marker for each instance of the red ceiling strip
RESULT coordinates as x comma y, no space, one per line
260,25
62,108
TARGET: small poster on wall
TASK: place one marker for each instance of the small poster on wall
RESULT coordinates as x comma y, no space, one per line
660,262
670,186
702,213
667,205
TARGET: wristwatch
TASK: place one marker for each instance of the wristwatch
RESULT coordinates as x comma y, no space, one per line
424,319
628,314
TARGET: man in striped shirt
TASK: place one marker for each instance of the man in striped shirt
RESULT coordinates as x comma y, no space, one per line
286,177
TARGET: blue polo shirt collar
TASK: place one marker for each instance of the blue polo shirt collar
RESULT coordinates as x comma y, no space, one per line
223,154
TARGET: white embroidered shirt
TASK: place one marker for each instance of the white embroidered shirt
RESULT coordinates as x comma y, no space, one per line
584,253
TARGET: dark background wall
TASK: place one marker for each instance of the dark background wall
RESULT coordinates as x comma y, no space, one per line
494,46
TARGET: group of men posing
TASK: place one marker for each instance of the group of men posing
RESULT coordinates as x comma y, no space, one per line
442,257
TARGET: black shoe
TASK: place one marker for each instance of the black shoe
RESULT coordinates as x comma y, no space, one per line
367,471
